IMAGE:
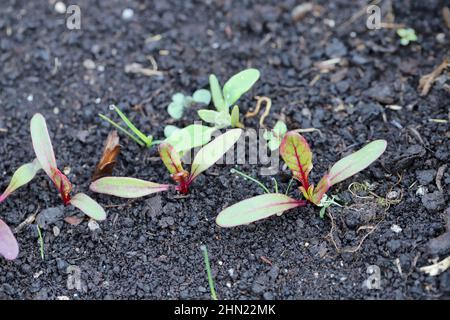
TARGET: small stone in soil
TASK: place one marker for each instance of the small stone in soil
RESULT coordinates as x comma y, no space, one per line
425,176
93,225
434,201
49,216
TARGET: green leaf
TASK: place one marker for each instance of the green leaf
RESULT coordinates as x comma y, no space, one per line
295,151
213,151
175,110
216,93
273,143
179,98
22,176
192,136
126,187
239,84
209,116
256,208
171,158
169,130
235,117
321,189
275,136
123,130
44,153
89,206
202,96
136,131
357,161
223,119
280,129
9,248
42,144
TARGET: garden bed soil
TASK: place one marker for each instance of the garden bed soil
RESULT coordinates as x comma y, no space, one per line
150,248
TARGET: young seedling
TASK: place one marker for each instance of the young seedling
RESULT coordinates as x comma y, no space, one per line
135,134
209,273
275,136
180,102
297,154
9,248
406,35
45,155
206,157
224,98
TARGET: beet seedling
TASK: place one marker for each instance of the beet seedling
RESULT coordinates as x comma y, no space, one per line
206,157
297,154
224,98
45,159
180,102
275,136
45,155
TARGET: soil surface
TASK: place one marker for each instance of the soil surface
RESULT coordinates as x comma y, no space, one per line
150,247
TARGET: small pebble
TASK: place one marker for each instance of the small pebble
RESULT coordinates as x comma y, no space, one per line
55,110
60,7
93,225
395,228
127,14
30,98
89,64
56,231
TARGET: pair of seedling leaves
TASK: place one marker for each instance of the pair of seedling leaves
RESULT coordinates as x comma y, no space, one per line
45,160
297,155
127,187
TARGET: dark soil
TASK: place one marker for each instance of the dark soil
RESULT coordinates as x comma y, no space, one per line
150,248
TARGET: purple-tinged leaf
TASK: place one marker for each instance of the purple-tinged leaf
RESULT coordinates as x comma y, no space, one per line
256,208
126,187
171,158
44,153
295,151
321,188
9,248
89,206
356,162
213,151
42,144
22,176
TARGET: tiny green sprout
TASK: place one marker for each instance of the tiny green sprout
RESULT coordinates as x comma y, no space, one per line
180,102
205,158
297,155
326,202
224,98
208,272
170,130
41,242
406,35
275,136
135,134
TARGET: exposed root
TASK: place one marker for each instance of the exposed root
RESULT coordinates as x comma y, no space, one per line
259,101
351,249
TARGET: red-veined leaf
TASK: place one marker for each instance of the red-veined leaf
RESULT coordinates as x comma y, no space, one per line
354,163
9,248
126,187
295,151
256,208
170,157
